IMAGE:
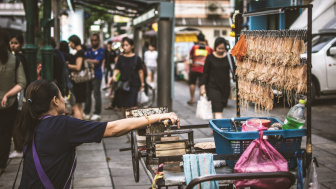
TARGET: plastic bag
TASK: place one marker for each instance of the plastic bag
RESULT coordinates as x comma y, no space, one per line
240,49
204,108
311,181
253,124
142,97
261,156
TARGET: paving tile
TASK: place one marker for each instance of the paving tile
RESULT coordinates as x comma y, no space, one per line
87,173
329,185
90,165
92,182
122,180
90,146
91,155
326,177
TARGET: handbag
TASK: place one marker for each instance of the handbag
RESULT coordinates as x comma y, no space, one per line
84,75
261,156
204,108
124,85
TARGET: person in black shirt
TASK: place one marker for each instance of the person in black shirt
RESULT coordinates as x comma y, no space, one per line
55,136
108,61
215,82
77,64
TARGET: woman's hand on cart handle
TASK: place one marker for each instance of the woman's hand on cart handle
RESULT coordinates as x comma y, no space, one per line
202,90
169,117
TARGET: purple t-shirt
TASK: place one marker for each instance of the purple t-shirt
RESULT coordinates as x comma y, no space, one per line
55,140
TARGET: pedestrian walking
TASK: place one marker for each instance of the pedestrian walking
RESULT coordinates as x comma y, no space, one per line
16,45
130,68
108,61
215,82
51,137
198,54
151,62
77,64
12,81
94,55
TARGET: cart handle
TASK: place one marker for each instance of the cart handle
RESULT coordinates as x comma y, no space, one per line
236,176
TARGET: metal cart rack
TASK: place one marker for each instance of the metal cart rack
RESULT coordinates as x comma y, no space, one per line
268,11
308,154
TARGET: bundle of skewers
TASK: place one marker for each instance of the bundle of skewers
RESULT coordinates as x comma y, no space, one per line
268,60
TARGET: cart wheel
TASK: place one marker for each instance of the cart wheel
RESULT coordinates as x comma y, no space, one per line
135,156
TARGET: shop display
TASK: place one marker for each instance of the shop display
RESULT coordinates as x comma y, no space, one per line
267,61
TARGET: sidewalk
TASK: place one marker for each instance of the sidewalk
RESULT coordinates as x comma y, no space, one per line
103,166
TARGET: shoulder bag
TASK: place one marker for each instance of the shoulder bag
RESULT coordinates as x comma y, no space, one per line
84,75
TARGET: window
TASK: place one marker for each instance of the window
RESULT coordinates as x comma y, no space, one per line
216,33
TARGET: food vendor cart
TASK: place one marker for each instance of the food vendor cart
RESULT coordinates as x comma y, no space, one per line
162,146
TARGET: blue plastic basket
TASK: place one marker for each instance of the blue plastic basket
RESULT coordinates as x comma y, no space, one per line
228,141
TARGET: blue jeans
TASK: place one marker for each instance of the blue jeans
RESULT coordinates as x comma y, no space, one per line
94,86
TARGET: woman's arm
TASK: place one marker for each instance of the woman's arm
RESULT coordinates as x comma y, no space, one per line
78,65
205,76
142,80
16,89
123,126
114,77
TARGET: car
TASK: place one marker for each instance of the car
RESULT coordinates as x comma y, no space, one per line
323,63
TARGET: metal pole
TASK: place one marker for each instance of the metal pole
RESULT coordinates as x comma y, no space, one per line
309,66
30,48
173,53
138,42
238,20
164,63
56,11
47,49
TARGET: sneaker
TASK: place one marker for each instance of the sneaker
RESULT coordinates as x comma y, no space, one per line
95,117
15,154
86,116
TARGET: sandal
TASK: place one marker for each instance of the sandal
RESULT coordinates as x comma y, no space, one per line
190,103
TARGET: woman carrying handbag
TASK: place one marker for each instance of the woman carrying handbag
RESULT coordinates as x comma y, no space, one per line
215,82
131,79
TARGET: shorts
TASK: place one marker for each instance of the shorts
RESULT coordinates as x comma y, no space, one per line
193,76
151,69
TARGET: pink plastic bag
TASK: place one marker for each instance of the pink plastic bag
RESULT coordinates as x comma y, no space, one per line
261,156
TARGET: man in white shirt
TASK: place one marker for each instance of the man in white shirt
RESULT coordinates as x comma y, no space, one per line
151,62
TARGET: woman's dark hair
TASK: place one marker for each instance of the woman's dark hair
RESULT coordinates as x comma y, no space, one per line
4,46
64,47
19,38
221,40
75,39
129,40
39,95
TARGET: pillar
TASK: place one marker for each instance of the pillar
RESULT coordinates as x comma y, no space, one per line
138,42
164,63
47,49
30,48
